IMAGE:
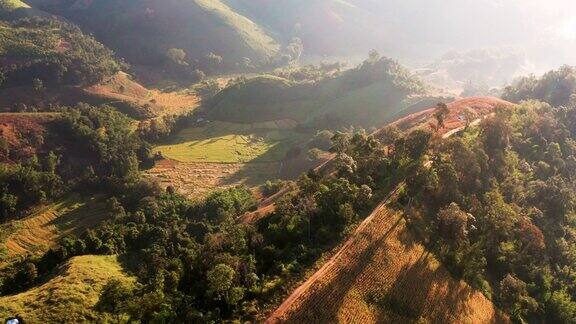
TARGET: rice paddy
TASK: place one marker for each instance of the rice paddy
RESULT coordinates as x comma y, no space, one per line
224,142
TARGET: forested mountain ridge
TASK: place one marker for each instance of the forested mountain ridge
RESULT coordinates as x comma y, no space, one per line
428,208
144,31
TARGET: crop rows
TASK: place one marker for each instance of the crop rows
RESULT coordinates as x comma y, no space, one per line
387,276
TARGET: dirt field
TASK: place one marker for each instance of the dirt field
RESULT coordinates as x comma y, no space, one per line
480,106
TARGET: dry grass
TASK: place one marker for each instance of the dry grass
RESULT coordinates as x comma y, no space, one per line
198,179
480,106
42,230
385,276
69,296
121,88
231,143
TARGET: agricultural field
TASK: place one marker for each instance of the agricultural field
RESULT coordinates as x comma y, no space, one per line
222,142
42,229
384,275
196,180
69,295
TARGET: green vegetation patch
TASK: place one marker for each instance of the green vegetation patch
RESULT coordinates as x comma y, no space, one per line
10,5
69,295
38,50
230,143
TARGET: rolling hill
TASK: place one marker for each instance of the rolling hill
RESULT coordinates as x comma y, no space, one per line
143,31
10,5
369,95
69,294
384,275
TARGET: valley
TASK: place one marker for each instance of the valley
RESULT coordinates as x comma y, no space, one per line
179,162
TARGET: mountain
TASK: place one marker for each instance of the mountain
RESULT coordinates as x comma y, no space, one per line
143,31
369,95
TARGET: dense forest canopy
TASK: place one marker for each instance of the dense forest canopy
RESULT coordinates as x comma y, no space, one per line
497,204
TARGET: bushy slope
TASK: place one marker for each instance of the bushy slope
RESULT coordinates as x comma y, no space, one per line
51,51
557,87
69,296
143,31
367,96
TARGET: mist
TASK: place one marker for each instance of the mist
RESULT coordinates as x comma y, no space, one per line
520,36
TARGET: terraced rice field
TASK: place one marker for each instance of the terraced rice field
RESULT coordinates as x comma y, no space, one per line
384,275
43,229
222,142
196,180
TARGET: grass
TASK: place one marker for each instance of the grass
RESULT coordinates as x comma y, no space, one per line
251,34
196,180
10,5
69,295
230,143
122,88
270,98
42,229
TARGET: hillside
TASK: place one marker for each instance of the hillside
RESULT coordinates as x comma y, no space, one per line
42,230
369,95
10,5
38,50
143,32
384,275
69,294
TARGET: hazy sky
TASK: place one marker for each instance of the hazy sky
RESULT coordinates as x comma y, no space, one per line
544,29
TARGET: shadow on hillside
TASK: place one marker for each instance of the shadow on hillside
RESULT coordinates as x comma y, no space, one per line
334,293
78,218
420,289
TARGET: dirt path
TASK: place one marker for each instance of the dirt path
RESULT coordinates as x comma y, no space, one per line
302,289
299,292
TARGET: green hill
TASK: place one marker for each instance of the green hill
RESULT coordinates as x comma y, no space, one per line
69,295
10,5
367,95
33,51
143,31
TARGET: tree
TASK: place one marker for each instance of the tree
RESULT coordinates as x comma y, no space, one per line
469,115
389,134
441,113
560,308
373,56
177,56
212,61
114,298
220,280
453,224
514,297
37,85
295,49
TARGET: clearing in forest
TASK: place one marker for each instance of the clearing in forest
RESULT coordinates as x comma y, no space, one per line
196,180
231,143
